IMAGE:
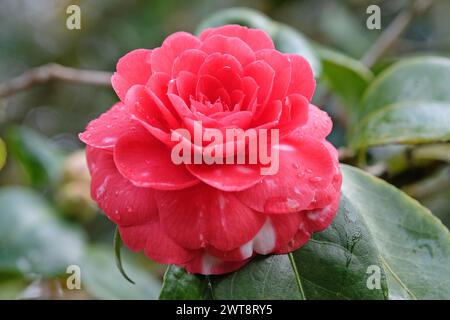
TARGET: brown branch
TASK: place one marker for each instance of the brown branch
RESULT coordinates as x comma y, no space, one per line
387,39
52,71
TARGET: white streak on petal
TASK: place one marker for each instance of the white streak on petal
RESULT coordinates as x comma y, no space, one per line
265,240
247,250
208,263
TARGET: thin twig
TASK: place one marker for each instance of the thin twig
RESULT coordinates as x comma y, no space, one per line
387,39
52,71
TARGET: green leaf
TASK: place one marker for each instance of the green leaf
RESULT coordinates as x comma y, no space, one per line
179,285
407,103
40,159
32,239
406,123
2,153
285,38
102,279
12,287
423,79
377,226
347,77
117,255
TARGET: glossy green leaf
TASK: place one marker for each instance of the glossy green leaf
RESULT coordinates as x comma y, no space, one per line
102,279
180,285
407,103
40,159
423,79
347,77
377,227
118,255
406,123
285,38
414,245
32,239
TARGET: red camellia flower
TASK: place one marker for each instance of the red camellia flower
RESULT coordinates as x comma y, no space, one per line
212,218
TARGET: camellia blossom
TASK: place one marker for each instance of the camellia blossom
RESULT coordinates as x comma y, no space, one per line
212,218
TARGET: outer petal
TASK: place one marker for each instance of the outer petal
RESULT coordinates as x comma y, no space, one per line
146,162
295,113
207,264
122,202
318,125
319,219
302,78
133,68
255,38
156,245
104,131
200,216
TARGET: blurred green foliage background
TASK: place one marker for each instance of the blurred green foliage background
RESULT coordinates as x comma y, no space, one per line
46,218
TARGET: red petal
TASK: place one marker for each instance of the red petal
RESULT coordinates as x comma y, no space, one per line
238,119
305,165
319,219
218,219
282,67
211,88
122,202
157,245
133,68
234,46
162,249
162,58
186,83
227,177
207,264
189,61
217,61
158,84
276,233
318,125
296,106
104,131
302,78
144,110
146,162
264,76
146,106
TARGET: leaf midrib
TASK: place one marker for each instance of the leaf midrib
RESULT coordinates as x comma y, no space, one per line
298,280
